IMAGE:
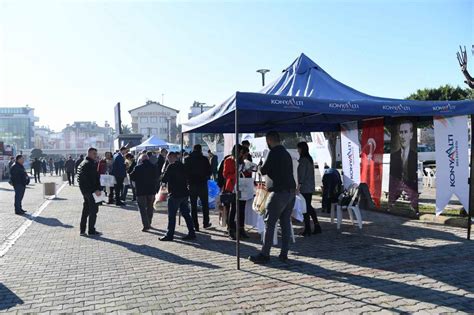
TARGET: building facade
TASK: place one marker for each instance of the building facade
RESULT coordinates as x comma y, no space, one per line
17,126
155,119
81,135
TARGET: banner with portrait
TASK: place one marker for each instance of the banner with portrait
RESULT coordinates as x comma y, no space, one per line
319,151
350,154
452,160
372,157
403,180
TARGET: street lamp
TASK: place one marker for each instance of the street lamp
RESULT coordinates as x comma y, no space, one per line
263,72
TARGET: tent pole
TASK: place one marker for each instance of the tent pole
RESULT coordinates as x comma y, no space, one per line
471,188
181,154
237,192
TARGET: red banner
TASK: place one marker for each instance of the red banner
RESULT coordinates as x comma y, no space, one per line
372,157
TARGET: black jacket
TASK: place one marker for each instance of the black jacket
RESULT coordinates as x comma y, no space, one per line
36,165
198,169
279,167
18,175
88,177
70,166
175,177
396,168
144,176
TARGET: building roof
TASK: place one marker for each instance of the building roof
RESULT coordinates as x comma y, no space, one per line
152,103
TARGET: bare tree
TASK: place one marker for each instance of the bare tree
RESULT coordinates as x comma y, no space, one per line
462,59
212,140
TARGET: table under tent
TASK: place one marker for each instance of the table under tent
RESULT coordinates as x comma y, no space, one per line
305,98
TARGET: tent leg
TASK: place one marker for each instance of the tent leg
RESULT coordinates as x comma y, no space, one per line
237,193
182,146
471,188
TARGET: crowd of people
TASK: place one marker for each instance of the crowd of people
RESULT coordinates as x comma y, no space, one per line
185,177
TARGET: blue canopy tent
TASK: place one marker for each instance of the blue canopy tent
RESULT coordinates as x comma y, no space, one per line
307,98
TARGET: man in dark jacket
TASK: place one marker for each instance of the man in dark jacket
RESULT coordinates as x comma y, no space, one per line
119,171
175,177
19,180
70,166
44,166
144,177
78,162
198,171
89,184
282,187
36,169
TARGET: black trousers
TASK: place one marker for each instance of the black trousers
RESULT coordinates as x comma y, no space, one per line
37,174
232,223
118,188
19,194
89,210
310,212
200,191
70,178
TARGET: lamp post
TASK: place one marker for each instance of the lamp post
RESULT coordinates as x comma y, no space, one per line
263,72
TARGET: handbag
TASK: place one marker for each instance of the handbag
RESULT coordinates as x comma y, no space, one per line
162,194
260,200
227,197
107,180
246,188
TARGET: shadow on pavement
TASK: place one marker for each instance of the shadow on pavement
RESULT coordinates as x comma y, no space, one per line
53,222
157,253
8,299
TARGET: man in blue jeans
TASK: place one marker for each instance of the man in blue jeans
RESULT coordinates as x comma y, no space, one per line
175,177
282,187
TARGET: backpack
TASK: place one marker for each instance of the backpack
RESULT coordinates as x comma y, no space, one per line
220,173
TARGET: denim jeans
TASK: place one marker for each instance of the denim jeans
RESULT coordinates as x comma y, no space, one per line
19,193
181,203
279,207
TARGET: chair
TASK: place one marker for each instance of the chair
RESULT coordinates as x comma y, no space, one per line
352,208
431,178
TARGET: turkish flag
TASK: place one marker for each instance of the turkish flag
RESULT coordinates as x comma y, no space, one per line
372,157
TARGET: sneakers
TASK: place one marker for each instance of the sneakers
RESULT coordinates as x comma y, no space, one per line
283,258
145,229
189,237
166,239
260,259
207,225
83,234
95,233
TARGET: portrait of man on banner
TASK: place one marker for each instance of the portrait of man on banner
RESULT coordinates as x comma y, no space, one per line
403,162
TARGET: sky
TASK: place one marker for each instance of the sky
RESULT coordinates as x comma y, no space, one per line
74,60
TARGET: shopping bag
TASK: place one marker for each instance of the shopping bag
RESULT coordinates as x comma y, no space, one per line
162,194
126,181
260,200
246,188
107,180
223,215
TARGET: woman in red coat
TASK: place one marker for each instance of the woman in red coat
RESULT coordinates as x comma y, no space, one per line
230,182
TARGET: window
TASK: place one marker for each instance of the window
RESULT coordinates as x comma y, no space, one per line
143,119
153,119
144,131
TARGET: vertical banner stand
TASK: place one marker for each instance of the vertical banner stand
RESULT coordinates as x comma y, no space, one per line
471,188
237,192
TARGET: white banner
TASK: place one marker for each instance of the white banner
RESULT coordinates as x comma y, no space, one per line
350,153
452,160
319,151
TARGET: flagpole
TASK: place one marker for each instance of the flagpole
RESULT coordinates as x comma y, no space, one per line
471,188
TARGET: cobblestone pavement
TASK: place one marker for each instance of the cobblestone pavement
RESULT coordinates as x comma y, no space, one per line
393,265
32,201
